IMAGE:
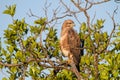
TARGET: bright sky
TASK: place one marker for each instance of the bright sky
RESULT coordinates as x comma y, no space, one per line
37,6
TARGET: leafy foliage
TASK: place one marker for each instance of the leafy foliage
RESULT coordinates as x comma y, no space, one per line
10,10
28,54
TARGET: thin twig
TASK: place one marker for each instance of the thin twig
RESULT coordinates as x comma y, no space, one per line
99,2
114,27
93,18
31,14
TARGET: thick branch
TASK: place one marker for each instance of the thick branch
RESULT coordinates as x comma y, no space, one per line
37,61
10,65
74,69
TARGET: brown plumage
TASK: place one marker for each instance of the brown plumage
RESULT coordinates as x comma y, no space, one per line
70,42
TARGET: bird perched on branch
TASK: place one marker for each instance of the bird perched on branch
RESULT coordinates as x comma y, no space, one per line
70,43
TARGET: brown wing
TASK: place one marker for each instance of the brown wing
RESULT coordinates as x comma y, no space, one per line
70,44
74,43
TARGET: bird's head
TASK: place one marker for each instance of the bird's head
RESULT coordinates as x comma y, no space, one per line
68,23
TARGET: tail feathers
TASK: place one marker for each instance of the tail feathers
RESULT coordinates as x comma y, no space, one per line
78,68
81,46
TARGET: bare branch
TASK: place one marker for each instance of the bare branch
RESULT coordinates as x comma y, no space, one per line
24,72
74,69
93,18
37,61
88,20
113,30
78,6
56,18
99,2
31,14
67,8
76,18
10,65
46,9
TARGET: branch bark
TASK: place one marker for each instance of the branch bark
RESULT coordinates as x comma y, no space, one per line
74,70
40,61
96,73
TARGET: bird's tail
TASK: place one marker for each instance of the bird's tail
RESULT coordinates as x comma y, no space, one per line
78,68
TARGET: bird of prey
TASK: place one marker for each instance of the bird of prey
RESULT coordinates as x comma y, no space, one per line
70,43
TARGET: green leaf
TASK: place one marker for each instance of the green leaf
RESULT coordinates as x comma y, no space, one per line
104,75
12,77
18,54
13,8
105,36
115,73
118,33
14,61
82,60
33,45
10,49
97,36
10,10
87,60
25,43
6,12
100,23
118,59
92,78
83,27
13,69
4,78
40,21
13,27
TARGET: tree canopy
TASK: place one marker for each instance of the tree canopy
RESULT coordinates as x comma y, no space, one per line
28,54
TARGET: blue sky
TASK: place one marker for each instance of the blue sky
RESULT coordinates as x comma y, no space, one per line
37,6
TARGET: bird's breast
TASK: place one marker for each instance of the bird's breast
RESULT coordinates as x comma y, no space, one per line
65,52
64,46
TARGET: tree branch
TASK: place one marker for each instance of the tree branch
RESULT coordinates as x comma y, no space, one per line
113,30
40,63
99,2
31,14
74,69
96,73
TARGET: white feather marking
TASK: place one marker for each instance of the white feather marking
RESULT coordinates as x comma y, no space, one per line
65,52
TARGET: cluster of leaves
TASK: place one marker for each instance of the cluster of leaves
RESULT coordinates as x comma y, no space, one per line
26,52
10,10
108,52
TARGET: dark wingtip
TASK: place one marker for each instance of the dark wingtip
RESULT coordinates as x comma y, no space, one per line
81,46
78,68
